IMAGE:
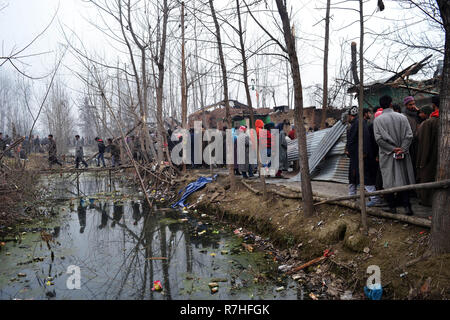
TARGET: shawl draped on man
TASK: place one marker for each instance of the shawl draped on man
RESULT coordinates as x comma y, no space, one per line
392,130
427,135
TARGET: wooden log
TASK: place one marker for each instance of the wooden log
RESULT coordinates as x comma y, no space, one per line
81,170
383,214
250,188
376,212
418,186
296,196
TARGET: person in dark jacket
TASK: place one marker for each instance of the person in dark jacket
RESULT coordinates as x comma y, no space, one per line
79,154
369,155
52,159
282,152
424,113
267,139
2,142
115,152
427,155
36,144
412,114
101,151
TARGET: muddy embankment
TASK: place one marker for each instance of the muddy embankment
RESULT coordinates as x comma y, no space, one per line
277,225
19,200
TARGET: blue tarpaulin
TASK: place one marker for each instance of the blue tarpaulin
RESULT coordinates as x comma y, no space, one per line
191,188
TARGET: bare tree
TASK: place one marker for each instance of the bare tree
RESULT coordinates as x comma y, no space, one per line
440,225
361,120
298,100
325,67
225,84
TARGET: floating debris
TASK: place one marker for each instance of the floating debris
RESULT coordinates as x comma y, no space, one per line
313,296
214,290
157,286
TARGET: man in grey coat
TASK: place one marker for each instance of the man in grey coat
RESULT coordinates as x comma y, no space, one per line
393,135
79,154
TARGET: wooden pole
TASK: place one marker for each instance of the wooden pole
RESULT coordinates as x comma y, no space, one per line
325,68
361,122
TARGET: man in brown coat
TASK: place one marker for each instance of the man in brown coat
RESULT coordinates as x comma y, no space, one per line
52,153
427,155
411,112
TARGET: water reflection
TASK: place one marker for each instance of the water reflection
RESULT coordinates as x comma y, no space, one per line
122,248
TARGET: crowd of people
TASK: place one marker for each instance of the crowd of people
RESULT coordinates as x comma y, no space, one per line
242,136
399,148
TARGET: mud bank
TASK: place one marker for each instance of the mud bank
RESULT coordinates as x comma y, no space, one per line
18,203
277,225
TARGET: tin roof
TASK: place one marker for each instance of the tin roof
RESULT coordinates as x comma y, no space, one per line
326,158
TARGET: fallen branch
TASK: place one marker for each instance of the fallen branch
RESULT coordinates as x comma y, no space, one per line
371,211
250,188
297,196
12,146
380,213
424,256
418,186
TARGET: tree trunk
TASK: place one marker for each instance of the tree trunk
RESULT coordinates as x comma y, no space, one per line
361,122
308,207
325,68
249,98
159,90
353,65
225,87
183,75
440,225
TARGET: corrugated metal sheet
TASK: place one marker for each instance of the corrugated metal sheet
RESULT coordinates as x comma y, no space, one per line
333,164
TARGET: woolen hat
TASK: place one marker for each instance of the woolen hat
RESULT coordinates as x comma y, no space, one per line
407,100
353,111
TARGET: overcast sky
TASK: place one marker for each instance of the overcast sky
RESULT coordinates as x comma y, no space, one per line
22,20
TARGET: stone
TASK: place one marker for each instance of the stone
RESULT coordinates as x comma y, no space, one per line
356,242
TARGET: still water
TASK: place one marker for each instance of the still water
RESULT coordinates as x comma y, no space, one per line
104,230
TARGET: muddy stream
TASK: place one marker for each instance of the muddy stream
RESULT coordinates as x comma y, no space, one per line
104,243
